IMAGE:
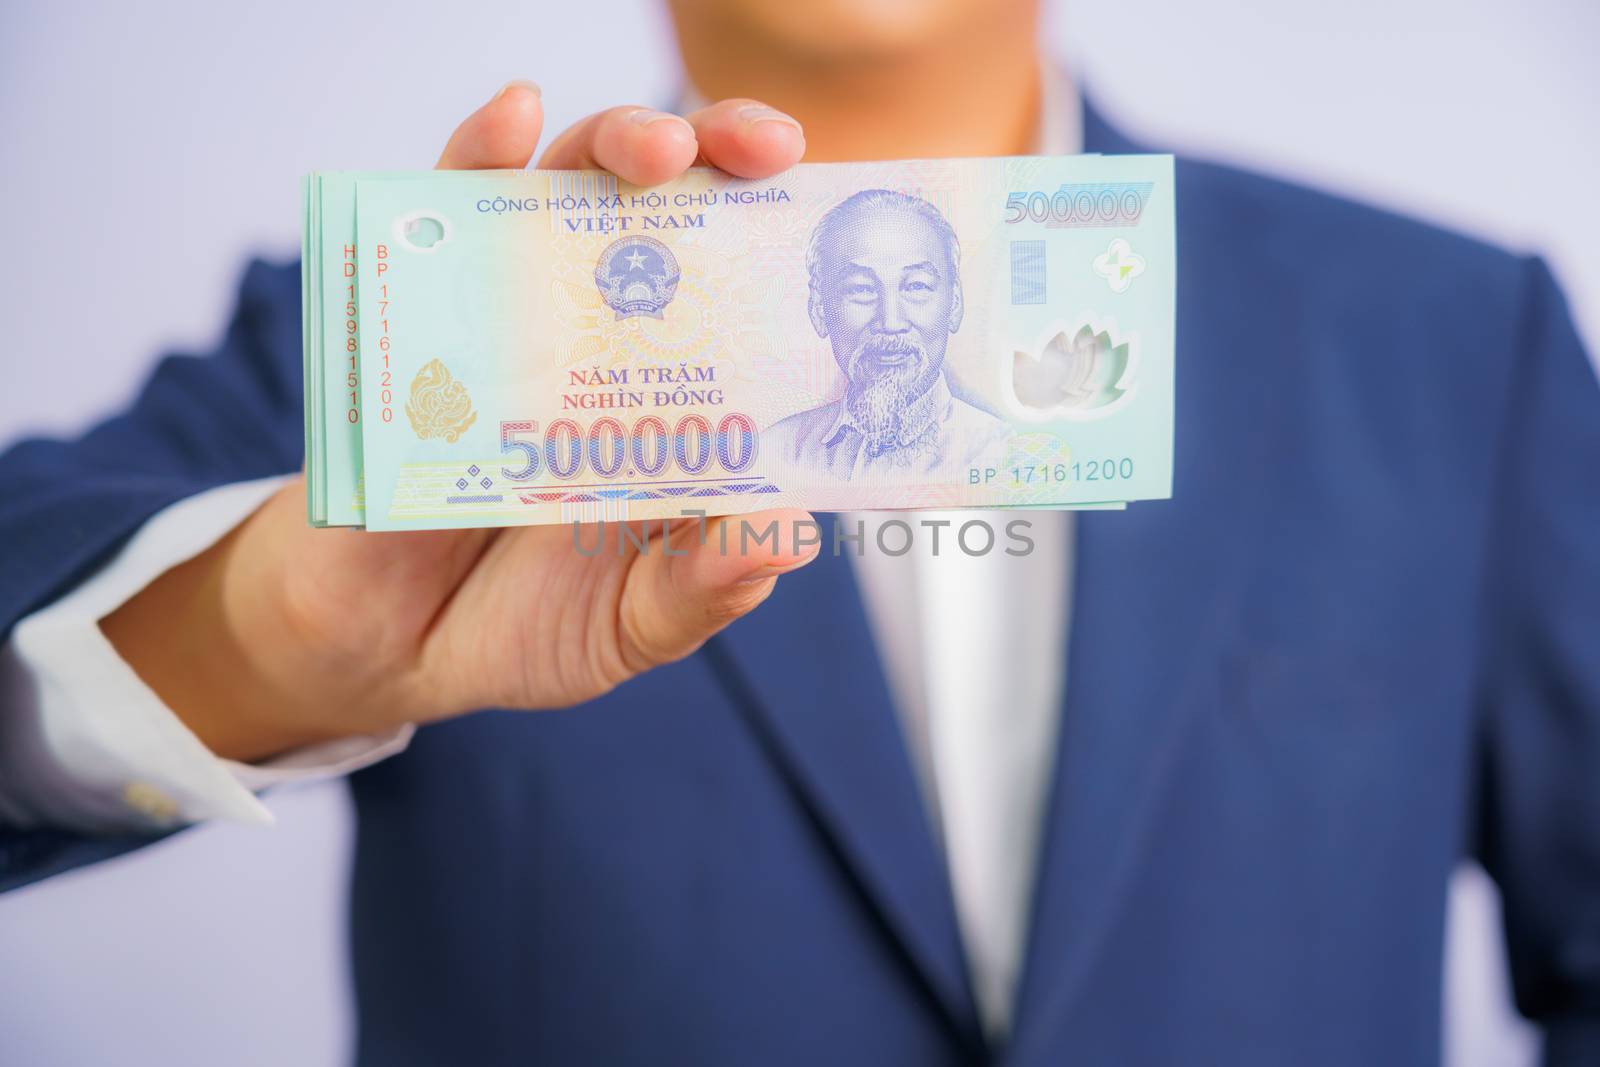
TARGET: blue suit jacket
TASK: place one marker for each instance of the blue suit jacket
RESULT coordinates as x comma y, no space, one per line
1361,642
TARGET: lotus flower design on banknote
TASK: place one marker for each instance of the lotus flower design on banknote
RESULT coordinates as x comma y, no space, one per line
1086,371
439,405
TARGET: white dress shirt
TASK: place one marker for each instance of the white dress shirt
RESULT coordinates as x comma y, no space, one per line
973,650
85,743
977,673
976,670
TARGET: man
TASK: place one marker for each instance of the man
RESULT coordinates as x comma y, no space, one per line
885,292
1183,785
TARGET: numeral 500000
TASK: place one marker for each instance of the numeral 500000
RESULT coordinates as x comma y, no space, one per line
646,449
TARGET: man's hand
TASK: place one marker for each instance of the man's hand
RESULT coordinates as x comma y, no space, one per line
281,635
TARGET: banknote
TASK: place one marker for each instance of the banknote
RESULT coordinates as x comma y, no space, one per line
534,347
332,365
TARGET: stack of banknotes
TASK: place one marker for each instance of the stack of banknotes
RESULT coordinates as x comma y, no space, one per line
495,348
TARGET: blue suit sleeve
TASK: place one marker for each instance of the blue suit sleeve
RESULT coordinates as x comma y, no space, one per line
66,506
1540,818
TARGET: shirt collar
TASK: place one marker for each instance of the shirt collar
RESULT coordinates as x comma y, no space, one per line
1060,129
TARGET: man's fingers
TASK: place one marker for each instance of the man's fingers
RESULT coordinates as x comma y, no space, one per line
646,147
500,135
713,574
636,144
748,138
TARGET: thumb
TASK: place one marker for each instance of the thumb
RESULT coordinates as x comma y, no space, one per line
500,135
685,588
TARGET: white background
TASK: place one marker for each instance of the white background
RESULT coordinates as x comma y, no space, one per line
145,149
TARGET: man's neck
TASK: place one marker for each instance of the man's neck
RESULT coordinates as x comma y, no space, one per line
977,94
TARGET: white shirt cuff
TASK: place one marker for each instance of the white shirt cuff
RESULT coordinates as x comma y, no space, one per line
85,744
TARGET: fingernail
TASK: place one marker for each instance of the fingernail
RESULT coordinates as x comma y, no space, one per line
518,83
774,570
754,113
645,117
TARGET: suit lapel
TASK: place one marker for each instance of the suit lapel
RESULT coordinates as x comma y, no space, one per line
1156,593
803,670
1148,621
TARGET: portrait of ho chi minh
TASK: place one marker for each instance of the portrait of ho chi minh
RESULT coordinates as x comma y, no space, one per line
885,293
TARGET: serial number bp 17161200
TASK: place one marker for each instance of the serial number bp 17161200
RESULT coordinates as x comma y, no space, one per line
1091,470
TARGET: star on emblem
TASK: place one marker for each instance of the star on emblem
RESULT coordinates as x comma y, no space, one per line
1119,265
636,260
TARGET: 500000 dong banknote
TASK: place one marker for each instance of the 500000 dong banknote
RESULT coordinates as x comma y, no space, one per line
556,346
